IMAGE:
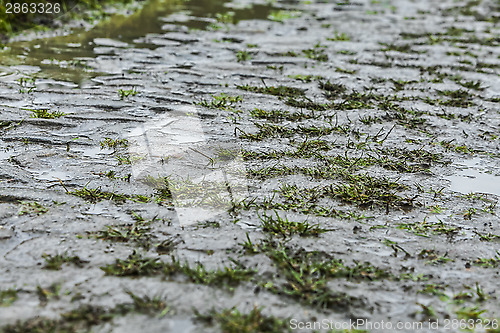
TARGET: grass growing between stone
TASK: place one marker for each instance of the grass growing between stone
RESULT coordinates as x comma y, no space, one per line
125,93
232,320
94,195
138,233
360,190
137,265
87,316
221,101
488,262
55,262
283,227
316,53
7,297
32,208
282,91
425,228
113,143
306,275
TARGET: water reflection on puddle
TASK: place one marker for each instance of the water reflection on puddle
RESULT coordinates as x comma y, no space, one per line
93,152
99,208
164,325
475,175
4,155
51,175
72,52
181,325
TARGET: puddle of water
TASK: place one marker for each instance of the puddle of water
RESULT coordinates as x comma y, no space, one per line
181,325
4,155
93,152
71,52
98,209
51,175
49,83
475,176
435,218
165,325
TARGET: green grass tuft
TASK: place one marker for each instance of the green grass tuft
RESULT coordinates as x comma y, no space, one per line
55,262
45,114
285,228
233,321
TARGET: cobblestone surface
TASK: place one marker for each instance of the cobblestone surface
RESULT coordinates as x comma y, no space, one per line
375,123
